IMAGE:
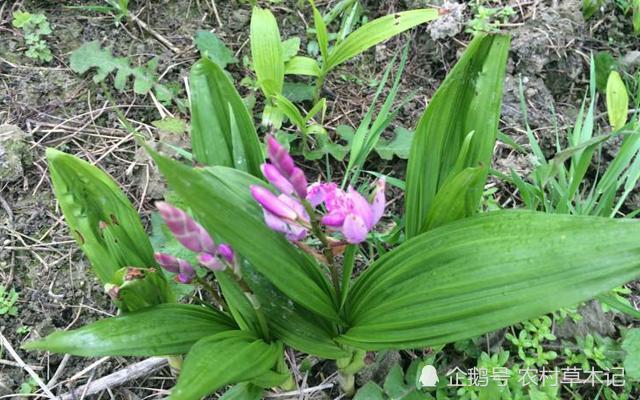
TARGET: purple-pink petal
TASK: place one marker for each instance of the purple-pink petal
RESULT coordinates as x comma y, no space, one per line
271,203
296,206
292,231
276,179
226,251
299,182
354,229
211,262
360,206
379,201
168,262
334,219
279,156
316,194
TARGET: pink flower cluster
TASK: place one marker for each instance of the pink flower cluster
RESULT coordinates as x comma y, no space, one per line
194,237
346,211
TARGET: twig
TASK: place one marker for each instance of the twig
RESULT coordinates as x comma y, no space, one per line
5,343
117,378
302,391
154,33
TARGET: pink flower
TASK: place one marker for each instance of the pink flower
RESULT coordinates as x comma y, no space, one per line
271,203
351,213
185,229
176,265
294,230
211,262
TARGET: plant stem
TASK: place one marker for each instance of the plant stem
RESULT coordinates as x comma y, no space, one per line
319,85
262,320
212,291
326,250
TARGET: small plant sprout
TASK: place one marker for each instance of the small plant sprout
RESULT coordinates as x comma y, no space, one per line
8,300
35,28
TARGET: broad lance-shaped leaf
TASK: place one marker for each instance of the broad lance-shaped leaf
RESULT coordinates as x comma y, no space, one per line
266,51
221,199
161,330
375,32
483,273
99,216
222,130
222,359
467,101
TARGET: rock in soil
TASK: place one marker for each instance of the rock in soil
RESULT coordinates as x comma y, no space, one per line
14,153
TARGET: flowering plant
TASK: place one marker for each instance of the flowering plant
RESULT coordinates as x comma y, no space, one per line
279,256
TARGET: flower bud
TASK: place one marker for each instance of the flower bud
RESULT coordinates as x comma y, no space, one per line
211,262
185,229
226,251
271,203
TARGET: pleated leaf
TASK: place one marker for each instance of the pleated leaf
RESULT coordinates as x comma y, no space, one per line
266,51
222,130
222,359
221,199
375,32
99,215
483,273
161,330
467,101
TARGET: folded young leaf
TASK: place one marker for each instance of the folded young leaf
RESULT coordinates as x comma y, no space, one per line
456,198
98,213
266,51
222,130
483,273
221,199
302,66
222,359
161,330
375,32
467,101
617,101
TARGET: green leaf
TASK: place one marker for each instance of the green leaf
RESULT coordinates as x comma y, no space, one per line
222,359
211,47
399,146
160,330
631,345
91,56
375,32
222,130
97,212
302,66
221,199
266,51
243,391
298,91
21,18
479,274
617,101
456,199
290,48
467,101
322,36
291,323
370,391
171,125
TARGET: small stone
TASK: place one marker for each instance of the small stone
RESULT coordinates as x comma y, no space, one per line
14,153
450,22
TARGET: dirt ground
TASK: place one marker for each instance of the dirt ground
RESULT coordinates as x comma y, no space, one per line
55,107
